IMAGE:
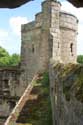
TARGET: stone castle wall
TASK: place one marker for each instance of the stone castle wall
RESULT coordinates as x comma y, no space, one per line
66,93
51,35
55,30
68,36
10,90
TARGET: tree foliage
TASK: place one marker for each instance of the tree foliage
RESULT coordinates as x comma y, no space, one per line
8,60
14,60
80,59
3,52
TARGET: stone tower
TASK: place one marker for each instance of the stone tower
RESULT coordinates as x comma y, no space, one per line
51,35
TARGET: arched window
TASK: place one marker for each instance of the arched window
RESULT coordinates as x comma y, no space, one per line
58,44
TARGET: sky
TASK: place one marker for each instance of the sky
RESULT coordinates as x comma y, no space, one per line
11,20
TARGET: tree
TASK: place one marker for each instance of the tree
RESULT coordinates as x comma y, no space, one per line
8,60
4,57
14,60
80,59
3,52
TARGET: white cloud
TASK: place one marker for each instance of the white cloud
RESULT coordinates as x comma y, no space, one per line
4,36
10,41
66,6
13,44
15,23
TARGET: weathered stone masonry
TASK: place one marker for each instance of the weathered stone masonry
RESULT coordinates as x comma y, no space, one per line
51,35
9,90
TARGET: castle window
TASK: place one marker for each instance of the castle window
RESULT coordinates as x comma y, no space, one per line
58,44
71,47
33,49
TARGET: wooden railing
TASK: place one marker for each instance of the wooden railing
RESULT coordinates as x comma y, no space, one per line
11,120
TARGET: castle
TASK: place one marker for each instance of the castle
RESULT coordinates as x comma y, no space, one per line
51,36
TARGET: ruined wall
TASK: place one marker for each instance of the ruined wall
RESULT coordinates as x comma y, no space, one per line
66,87
10,90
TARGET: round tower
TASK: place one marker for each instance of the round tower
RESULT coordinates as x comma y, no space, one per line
68,37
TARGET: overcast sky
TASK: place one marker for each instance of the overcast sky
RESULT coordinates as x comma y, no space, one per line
11,20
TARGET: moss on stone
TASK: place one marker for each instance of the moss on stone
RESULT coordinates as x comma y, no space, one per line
79,84
71,76
75,76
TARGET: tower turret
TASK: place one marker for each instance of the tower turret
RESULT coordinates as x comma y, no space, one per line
51,35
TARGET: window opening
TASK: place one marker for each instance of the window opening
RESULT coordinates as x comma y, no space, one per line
33,49
58,44
71,47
